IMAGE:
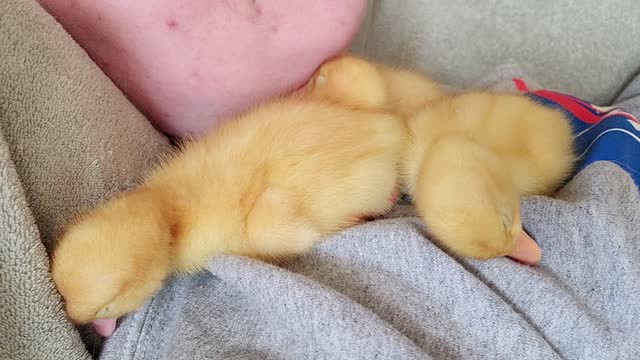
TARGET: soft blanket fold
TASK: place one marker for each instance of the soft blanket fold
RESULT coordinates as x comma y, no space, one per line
68,139
383,290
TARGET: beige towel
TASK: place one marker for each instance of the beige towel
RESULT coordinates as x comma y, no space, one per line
68,139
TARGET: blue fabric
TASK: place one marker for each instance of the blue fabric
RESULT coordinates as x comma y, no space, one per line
601,134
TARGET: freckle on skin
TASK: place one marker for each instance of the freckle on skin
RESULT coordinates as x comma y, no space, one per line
274,28
172,24
257,8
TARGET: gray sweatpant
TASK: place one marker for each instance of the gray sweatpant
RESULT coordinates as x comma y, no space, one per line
384,290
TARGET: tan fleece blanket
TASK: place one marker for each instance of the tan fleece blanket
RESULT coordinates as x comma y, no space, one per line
68,139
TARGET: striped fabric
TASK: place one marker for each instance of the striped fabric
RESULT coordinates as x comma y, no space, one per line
601,133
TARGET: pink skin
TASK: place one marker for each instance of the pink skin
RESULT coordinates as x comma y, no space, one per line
526,251
104,327
189,64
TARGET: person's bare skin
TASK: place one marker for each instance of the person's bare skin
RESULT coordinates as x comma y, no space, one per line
190,64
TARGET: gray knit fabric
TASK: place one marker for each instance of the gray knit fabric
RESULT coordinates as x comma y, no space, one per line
384,291
584,48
